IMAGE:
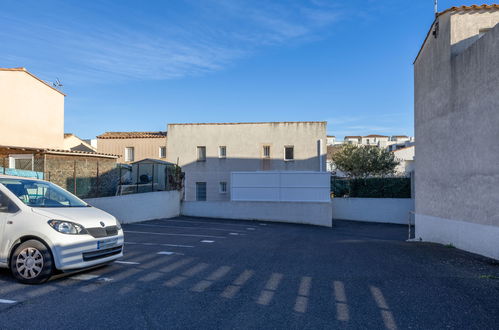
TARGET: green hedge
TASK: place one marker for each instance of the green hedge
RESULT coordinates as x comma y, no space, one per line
371,187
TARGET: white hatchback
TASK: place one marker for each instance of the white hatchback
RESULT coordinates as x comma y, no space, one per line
44,228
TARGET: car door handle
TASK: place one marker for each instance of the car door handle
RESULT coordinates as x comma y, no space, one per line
10,222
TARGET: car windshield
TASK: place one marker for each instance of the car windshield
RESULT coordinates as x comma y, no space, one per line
41,194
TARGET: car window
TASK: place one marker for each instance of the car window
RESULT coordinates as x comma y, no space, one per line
6,205
41,194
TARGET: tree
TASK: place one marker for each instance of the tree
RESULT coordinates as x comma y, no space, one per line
364,161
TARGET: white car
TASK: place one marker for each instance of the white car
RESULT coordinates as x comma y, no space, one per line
44,229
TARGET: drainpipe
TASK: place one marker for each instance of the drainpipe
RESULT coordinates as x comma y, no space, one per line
321,166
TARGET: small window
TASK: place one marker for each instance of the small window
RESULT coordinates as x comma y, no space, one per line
289,153
6,205
162,152
129,154
223,187
201,154
200,191
222,152
266,151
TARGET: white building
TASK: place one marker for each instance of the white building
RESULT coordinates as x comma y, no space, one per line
405,156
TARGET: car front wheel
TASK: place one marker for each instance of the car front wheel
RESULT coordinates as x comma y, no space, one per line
31,262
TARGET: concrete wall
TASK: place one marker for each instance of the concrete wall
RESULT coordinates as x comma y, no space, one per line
456,124
244,143
144,147
140,207
32,112
384,210
306,213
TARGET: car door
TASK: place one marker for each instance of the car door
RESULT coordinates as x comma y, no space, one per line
7,210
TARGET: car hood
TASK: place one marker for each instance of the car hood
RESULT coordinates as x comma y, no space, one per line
86,216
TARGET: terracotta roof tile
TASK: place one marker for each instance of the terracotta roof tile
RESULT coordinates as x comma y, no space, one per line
375,135
61,151
255,123
132,135
472,7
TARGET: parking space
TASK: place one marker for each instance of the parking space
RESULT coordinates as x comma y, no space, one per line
214,273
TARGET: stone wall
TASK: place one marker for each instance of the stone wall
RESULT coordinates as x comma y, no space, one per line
82,175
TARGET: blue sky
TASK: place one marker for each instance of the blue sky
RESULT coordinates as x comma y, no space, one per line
138,65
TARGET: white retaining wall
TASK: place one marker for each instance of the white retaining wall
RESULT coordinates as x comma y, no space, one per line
384,210
140,207
292,212
469,236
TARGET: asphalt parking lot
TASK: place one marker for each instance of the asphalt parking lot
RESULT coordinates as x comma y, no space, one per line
213,273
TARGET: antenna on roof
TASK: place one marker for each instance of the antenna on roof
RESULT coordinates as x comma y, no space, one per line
57,84
436,7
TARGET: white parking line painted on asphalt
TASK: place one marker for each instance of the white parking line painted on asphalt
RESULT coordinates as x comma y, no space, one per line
238,283
270,288
207,222
161,244
250,228
7,301
84,277
181,227
167,234
168,253
127,262
234,234
207,241
301,303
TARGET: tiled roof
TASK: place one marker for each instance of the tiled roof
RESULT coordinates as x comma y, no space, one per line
253,123
452,9
32,75
400,136
353,137
472,7
375,135
132,135
61,152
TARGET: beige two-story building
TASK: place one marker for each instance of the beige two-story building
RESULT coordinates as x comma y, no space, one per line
31,110
133,146
208,153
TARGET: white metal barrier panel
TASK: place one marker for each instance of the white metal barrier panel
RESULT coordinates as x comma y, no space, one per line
285,186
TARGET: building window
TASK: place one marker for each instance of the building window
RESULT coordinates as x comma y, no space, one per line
22,162
201,154
266,151
222,152
162,152
200,191
223,187
129,154
289,153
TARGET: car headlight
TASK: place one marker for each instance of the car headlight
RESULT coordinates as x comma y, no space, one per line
67,227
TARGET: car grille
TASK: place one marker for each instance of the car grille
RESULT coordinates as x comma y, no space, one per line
100,254
103,232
